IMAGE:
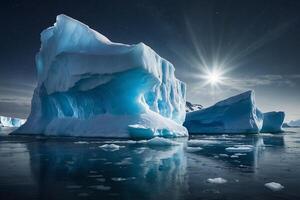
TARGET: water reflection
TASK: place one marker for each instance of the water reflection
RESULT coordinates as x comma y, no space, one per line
134,171
58,168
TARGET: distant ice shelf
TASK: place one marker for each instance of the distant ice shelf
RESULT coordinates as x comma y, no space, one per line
90,86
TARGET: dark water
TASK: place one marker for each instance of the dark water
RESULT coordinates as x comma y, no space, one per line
61,168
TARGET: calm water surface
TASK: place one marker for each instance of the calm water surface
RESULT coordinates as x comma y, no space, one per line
69,168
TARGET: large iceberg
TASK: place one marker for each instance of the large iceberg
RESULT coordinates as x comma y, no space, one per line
11,121
237,114
90,86
272,122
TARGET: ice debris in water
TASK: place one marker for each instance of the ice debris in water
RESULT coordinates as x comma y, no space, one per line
240,148
202,142
100,187
122,179
217,180
81,142
274,186
159,141
193,149
111,147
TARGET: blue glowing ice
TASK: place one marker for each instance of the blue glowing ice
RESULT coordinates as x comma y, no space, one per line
90,86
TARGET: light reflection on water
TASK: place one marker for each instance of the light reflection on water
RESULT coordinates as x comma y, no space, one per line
63,168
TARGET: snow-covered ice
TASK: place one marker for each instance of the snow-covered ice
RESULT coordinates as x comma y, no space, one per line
90,86
11,121
274,186
237,114
272,122
217,180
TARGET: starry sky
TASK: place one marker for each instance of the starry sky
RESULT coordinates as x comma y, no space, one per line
256,44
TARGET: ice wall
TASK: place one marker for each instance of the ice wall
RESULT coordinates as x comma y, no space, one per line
90,86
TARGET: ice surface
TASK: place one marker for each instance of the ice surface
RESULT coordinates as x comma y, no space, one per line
237,114
272,122
274,186
240,148
111,147
90,86
217,180
11,121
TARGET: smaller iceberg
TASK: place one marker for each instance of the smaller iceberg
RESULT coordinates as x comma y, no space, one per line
11,121
273,122
237,114
294,123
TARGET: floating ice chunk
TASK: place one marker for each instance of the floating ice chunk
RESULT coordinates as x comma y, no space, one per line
81,142
237,114
117,179
125,161
111,147
193,149
223,155
159,141
11,121
100,187
274,186
217,180
202,142
240,148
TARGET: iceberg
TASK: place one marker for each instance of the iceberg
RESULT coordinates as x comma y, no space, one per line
11,121
273,122
294,123
237,114
90,86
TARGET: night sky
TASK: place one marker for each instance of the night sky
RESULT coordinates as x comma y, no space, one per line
256,43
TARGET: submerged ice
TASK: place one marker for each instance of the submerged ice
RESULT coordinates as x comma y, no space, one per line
237,114
90,86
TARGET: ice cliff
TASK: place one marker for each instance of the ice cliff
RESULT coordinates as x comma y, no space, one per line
237,114
90,86
272,122
11,121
